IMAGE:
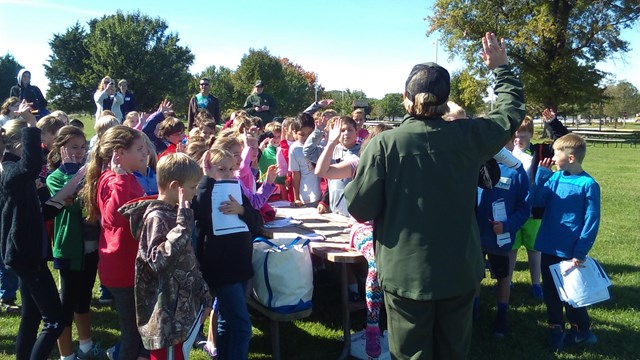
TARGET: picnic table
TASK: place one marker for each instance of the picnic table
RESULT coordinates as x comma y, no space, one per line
610,137
334,248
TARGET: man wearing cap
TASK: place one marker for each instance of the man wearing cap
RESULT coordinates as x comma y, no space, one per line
204,101
260,104
418,183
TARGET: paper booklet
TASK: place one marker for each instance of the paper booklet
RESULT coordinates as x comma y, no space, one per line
231,223
581,286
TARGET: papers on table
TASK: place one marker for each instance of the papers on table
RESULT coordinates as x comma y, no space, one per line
192,334
280,223
231,223
581,286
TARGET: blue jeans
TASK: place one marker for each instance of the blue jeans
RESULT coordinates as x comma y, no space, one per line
8,283
234,326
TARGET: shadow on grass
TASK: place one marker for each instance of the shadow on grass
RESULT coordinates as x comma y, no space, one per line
295,343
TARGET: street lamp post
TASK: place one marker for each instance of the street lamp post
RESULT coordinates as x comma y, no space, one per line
436,44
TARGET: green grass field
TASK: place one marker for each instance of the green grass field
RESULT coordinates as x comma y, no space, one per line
615,322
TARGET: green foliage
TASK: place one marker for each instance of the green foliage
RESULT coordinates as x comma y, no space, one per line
620,98
299,91
131,46
554,45
343,99
9,69
390,106
69,88
290,84
468,91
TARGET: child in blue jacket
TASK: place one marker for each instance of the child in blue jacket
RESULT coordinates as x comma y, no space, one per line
571,198
502,210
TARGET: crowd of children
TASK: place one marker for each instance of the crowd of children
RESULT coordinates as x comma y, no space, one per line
148,186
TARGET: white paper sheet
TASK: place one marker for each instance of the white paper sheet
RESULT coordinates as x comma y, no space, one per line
499,211
581,286
500,214
226,224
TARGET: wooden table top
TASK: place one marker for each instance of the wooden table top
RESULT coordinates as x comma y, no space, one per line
332,226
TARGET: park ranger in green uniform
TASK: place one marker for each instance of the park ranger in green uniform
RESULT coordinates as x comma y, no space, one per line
260,104
418,183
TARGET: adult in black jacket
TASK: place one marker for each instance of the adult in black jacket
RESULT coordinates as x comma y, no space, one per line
23,244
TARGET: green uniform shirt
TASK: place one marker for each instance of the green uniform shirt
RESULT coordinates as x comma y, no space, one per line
418,183
254,100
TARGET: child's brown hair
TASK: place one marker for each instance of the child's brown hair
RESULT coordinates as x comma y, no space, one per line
526,125
50,124
177,167
170,126
65,134
115,138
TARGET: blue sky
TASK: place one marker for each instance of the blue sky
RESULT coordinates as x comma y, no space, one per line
365,45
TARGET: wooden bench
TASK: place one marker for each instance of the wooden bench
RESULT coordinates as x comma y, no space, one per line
275,320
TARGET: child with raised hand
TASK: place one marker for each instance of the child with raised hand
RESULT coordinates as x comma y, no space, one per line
269,147
247,170
169,287
306,184
361,235
571,200
498,231
226,259
110,183
75,257
346,148
530,155
23,248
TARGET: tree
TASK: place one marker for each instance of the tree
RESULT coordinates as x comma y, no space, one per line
289,83
69,87
260,65
132,46
468,91
389,106
554,45
343,99
9,69
299,91
621,98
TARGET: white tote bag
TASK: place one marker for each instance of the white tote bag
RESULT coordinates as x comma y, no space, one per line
283,275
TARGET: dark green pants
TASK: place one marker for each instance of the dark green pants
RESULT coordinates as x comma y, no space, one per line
439,329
